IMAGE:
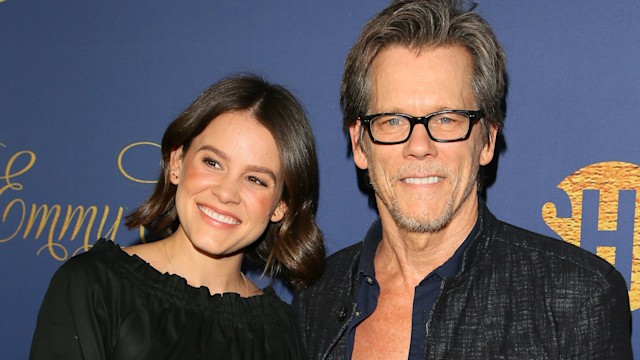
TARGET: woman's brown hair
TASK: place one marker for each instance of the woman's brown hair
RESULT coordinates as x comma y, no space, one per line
294,245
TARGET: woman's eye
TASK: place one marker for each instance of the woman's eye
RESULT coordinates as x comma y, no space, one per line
256,180
211,163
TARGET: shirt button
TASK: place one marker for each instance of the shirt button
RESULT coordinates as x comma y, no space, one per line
369,280
342,314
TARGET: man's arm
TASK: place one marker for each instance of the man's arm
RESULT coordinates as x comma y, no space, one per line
603,325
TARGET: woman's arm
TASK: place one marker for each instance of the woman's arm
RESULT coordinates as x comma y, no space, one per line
71,322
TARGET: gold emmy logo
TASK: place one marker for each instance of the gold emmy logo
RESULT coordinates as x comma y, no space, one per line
612,182
58,225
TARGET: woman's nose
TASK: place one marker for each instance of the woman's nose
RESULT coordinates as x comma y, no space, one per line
226,189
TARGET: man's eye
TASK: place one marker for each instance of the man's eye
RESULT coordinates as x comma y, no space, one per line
394,121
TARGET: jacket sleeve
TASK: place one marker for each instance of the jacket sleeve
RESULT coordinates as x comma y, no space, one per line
603,323
70,321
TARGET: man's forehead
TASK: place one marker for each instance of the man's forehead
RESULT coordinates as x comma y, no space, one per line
436,74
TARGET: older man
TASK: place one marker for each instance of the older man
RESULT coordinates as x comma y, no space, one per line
438,276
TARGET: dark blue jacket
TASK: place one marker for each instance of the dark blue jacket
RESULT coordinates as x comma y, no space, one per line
519,295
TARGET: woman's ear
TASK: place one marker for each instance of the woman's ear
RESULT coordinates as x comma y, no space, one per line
175,165
279,212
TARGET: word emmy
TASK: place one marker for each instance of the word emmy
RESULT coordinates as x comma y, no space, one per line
58,222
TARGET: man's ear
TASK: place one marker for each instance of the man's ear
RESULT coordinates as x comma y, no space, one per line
279,212
359,155
488,149
175,165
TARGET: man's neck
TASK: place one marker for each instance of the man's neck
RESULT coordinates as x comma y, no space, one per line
411,256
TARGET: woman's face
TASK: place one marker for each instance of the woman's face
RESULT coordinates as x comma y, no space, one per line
229,184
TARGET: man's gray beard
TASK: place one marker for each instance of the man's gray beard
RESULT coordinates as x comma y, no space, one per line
415,226
429,226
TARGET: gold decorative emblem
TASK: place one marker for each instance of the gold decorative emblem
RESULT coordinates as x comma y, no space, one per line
609,181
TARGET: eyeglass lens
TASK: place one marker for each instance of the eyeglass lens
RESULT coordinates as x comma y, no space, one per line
396,127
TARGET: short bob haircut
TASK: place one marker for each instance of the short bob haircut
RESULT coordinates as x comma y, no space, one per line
424,24
292,246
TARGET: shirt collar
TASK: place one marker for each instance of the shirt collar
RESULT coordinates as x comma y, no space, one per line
369,247
453,266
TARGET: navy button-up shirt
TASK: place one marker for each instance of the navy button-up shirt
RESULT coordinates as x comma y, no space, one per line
425,294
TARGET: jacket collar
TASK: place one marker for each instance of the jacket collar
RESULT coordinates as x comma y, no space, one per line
476,245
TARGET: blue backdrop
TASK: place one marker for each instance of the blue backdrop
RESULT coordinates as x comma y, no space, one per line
87,89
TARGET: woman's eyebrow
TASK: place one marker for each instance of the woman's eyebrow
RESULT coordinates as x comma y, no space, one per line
261,169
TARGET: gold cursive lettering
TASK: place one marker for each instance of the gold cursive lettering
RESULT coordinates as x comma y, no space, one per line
111,234
91,210
57,223
121,156
8,175
6,212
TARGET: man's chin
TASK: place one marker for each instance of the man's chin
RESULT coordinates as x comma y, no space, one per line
421,224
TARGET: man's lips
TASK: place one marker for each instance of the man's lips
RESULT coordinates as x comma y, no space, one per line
218,217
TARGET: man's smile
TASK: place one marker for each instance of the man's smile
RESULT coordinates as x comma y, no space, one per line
423,180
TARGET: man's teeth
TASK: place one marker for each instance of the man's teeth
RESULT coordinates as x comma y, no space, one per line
219,217
420,181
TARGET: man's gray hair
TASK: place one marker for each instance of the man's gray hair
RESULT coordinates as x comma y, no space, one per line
423,24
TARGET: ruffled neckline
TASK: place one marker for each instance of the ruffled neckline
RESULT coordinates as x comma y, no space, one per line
174,287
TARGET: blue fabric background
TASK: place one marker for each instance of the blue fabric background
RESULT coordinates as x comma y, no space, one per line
82,81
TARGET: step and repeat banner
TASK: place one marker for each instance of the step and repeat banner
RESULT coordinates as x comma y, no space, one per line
87,89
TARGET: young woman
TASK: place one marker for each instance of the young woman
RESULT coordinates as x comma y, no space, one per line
239,176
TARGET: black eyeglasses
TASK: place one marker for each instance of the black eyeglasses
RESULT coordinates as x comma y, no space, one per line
442,126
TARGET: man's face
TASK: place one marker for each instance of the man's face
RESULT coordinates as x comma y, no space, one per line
421,184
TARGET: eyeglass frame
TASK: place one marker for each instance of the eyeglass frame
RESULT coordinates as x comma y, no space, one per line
473,116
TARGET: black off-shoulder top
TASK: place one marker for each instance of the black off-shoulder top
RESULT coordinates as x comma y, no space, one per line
105,304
